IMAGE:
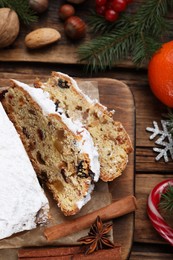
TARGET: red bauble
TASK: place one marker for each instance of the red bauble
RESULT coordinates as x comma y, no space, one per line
109,4
101,9
100,2
119,5
111,15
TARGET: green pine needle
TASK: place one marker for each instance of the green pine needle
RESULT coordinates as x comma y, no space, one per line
166,201
137,36
143,49
22,8
102,56
169,119
98,24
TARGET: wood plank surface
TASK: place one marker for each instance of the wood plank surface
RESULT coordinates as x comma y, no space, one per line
20,63
144,232
115,95
64,51
152,256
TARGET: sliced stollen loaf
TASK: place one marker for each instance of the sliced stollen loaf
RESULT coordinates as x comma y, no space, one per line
23,203
109,136
62,153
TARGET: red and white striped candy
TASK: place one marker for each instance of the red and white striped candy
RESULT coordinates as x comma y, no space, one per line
152,209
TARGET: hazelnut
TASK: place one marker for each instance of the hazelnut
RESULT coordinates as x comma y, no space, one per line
39,6
65,11
75,28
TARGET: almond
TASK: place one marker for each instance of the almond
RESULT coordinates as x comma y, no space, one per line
41,37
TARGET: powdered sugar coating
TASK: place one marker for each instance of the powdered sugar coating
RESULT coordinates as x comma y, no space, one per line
23,203
83,201
75,85
86,144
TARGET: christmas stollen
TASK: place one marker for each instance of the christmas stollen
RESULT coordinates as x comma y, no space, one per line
23,202
62,153
109,136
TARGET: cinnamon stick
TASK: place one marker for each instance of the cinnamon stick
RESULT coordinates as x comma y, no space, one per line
116,209
51,252
61,254
64,257
107,254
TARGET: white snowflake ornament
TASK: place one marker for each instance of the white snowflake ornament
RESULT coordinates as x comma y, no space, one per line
165,141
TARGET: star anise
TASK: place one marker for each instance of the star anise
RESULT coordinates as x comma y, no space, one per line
97,237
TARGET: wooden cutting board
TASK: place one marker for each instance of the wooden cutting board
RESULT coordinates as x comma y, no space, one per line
115,95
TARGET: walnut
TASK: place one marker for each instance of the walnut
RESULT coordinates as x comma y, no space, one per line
9,27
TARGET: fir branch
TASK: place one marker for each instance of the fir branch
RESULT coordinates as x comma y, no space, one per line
150,17
144,48
170,4
98,24
22,8
169,118
137,36
112,47
166,200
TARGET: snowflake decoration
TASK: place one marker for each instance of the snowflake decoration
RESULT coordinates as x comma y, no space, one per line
164,140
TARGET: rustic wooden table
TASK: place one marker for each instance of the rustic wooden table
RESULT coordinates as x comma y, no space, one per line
146,244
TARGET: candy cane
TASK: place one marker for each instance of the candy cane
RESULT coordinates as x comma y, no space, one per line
152,209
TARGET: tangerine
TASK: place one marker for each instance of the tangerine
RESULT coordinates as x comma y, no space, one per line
160,74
